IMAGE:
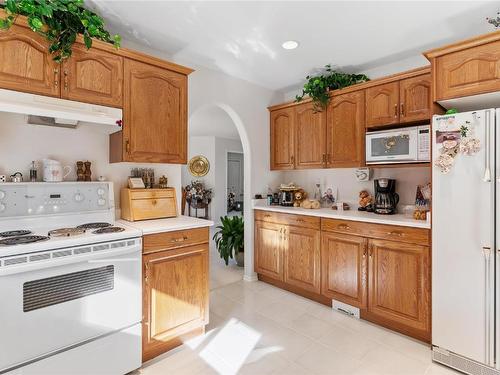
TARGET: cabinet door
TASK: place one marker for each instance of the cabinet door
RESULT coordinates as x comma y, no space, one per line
175,296
93,76
155,114
343,268
382,105
415,97
471,71
399,285
282,132
346,130
302,258
25,63
269,249
310,137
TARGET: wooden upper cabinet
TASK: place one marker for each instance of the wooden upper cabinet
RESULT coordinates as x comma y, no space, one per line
175,295
269,249
310,134
25,64
282,138
302,257
93,76
467,68
346,130
399,285
343,268
415,98
155,114
382,105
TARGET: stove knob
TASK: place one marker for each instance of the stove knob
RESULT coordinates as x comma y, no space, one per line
2,207
2,194
101,202
78,197
100,191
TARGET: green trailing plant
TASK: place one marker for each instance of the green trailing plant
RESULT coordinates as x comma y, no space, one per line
229,238
494,21
60,21
318,87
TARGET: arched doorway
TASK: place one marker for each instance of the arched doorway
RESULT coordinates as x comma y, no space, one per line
249,274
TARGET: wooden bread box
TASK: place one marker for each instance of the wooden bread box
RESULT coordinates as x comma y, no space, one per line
145,204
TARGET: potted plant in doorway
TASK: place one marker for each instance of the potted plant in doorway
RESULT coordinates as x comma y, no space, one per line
229,239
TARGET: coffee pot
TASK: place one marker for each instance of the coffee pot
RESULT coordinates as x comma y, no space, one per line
386,198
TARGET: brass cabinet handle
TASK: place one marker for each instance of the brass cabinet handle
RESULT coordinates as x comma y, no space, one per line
324,158
56,77
402,110
65,79
267,215
396,234
154,202
180,239
299,220
292,158
343,226
395,110
127,146
371,251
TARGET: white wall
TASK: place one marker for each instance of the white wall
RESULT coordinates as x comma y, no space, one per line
344,180
21,143
204,146
215,150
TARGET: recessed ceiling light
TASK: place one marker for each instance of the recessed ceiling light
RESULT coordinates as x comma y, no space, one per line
290,44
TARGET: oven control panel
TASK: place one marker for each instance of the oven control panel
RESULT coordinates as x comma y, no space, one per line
33,199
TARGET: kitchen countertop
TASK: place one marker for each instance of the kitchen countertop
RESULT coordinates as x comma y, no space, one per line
352,214
167,225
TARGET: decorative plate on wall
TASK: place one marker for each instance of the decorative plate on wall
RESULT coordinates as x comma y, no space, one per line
199,166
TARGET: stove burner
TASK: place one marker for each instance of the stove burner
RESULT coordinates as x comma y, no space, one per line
15,233
22,240
108,230
94,225
66,232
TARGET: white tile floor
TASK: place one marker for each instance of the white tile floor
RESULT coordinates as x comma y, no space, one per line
257,329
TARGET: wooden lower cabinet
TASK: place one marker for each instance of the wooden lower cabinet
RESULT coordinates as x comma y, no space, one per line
399,286
343,268
384,270
302,258
175,297
269,249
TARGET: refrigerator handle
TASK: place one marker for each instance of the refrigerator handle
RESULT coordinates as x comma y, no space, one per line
488,306
487,168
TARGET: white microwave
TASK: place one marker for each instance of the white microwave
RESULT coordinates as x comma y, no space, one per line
403,145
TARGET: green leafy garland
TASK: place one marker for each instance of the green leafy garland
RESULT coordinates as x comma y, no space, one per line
318,87
60,21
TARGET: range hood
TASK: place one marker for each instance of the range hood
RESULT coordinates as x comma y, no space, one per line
44,110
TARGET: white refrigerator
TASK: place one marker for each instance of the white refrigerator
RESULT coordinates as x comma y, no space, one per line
465,241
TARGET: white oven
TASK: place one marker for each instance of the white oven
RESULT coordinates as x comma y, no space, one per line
54,301
403,145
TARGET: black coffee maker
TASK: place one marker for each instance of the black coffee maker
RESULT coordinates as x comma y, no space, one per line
386,198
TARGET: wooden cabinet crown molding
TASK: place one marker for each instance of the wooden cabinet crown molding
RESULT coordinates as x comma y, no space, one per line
361,86
123,52
463,44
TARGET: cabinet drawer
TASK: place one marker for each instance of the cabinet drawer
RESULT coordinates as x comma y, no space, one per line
171,240
145,209
149,194
288,219
387,232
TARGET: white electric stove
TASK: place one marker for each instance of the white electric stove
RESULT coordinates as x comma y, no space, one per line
70,281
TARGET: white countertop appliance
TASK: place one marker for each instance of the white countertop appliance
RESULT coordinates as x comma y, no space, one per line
70,281
465,239
403,145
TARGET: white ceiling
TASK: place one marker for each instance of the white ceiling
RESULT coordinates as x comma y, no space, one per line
212,121
243,39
